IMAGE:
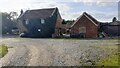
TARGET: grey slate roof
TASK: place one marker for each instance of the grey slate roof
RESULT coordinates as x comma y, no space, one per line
115,23
38,13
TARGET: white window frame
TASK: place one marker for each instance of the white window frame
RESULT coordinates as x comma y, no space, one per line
42,21
39,30
27,21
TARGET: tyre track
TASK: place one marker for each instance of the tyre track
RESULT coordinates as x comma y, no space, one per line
45,52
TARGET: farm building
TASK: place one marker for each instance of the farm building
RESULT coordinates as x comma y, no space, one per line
65,28
85,26
41,23
110,29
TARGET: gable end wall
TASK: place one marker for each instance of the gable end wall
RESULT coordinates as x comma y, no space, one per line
91,28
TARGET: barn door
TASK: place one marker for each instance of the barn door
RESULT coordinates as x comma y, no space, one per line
82,31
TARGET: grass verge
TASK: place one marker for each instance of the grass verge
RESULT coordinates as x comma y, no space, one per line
111,60
3,50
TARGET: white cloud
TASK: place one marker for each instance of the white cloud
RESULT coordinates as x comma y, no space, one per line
103,17
100,16
17,5
98,1
63,8
14,5
70,16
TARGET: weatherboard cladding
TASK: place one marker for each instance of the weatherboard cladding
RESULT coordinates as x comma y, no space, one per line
111,29
35,16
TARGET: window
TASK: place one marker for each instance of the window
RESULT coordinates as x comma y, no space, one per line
42,21
39,30
27,21
82,30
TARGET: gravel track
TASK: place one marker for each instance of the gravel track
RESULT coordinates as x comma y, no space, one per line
53,52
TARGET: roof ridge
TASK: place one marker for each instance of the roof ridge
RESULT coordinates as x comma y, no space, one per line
77,20
41,9
91,20
90,16
43,13
53,12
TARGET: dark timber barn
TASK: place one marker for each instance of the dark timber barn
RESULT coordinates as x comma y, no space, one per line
40,23
110,29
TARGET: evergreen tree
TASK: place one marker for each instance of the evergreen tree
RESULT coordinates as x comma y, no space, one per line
114,19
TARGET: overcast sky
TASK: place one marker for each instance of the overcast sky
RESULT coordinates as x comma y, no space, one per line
102,10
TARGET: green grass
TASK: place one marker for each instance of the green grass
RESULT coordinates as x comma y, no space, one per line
3,50
108,47
111,60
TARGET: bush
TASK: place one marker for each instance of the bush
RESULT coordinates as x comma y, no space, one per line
3,50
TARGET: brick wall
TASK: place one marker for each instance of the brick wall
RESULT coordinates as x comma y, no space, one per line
91,28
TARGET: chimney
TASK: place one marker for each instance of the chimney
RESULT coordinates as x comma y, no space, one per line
21,12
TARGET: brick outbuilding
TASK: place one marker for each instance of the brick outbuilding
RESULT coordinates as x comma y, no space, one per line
85,26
